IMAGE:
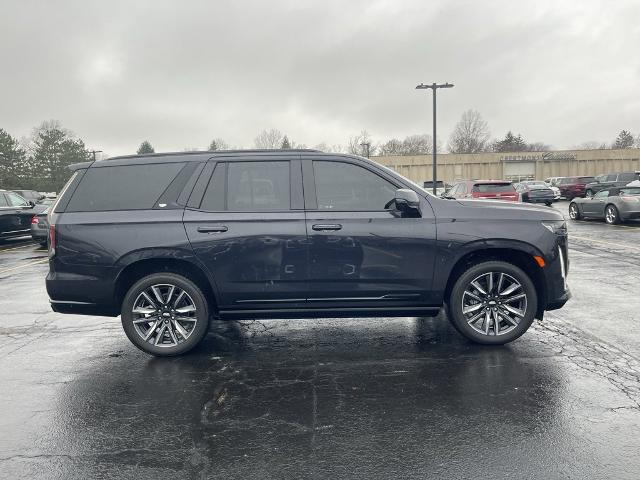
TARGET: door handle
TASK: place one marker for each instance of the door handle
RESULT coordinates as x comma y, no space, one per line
327,227
213,229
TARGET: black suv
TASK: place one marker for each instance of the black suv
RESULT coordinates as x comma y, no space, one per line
169,241
608,180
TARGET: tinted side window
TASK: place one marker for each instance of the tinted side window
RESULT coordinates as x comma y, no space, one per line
214,196
344,186
3,201
126,187
258,186
626,177
16,200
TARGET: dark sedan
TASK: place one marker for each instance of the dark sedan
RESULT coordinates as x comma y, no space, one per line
535,192
15,214
615,205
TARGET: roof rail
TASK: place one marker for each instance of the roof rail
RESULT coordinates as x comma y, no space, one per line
213,152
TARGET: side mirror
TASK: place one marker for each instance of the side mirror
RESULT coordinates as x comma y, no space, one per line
31,203
406,199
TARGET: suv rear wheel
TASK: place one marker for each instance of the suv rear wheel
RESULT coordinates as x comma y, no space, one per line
165,314
493,303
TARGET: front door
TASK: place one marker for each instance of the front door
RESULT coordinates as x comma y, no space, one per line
248,228
595,206
363,253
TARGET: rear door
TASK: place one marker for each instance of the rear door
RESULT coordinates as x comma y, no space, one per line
21,212
245,221
362,252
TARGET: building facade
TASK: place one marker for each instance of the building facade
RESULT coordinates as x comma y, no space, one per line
514,166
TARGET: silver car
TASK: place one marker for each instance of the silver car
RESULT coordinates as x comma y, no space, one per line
615,205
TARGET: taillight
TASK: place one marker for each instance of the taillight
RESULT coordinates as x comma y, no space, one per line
630,199
34,220
52,240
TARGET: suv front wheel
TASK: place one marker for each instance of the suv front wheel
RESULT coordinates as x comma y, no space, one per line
493,303
165,314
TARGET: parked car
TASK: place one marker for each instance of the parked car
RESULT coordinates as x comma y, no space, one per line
532,191
15,214
572,187
40,227
483,189
614,205
30,195
441,186
608,180
553,181
171,240
43,204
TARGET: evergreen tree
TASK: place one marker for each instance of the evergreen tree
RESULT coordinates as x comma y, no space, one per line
12,160
145,147
623,140
218,144
510,143
286,145
53,150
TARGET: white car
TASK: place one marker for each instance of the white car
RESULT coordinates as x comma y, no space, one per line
635,183
556,190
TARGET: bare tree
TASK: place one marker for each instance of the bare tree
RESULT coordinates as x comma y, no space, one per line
470,135
324,147
391,147
269,139
591,145
357,144
538,147
417,145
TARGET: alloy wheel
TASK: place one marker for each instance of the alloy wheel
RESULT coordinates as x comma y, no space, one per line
164,315
573,212
494,303
611,215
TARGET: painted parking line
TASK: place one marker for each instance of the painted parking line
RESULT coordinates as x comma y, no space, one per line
602,242
17,248
24,266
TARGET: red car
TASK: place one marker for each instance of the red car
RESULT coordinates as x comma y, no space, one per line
572,187
485,189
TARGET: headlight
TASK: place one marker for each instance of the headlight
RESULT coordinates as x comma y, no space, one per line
558,227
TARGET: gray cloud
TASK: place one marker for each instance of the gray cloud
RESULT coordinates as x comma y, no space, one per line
181,73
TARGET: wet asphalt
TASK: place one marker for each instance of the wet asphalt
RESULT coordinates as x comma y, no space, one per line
329,398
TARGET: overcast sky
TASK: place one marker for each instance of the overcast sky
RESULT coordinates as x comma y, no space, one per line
180,73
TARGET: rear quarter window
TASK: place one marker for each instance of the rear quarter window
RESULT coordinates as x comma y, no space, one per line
123,187
493,187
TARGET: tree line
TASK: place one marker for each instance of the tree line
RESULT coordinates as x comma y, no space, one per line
40,161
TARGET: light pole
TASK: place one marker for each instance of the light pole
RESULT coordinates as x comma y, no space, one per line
94,153
434,86
367,145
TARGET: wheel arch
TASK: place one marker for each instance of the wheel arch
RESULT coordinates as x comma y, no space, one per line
519,254
138,269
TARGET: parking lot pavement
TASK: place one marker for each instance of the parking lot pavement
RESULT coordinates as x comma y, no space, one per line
367,398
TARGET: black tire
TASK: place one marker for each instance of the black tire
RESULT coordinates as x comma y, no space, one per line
574,211
193,337
548,204
510,332
611,215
